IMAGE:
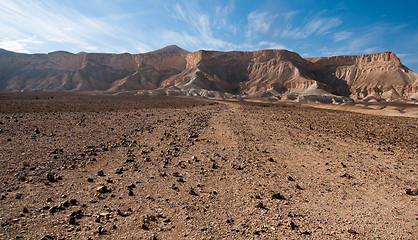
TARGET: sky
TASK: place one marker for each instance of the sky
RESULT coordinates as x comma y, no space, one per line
310,28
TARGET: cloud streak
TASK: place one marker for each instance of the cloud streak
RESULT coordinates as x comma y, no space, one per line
317,26
55,24
259,22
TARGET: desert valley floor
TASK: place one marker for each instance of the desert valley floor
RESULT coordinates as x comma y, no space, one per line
131,167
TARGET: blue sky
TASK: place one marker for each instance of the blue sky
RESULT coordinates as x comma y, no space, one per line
310,28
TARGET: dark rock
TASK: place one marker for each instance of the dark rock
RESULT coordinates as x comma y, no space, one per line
144,227
25,210
352,231
103,189
47,237
260,205
122,214
290,178
18,196
52,177
192,192
119,171
292,225
90,179
180,180
278,196
412,192
346,175
72,221
100,173
174,187
53,210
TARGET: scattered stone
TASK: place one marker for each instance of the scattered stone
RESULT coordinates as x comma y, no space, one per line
290,178
53,210
192,192
52,177
47,237
174,187
72,221
278,196
122,214
25,210
412,192
18,196
215,166
260,205
292,225
103,189
119,171
352,231
342,164
90,179
144,227
230,221
131,193
304,232
37,131
100,173
270,159
101,231
299,187
346,175
181,180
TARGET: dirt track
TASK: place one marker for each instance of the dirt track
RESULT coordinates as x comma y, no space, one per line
184,168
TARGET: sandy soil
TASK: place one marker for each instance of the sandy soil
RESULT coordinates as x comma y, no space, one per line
107,167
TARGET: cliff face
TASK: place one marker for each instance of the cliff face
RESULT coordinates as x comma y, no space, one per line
379,75
277,73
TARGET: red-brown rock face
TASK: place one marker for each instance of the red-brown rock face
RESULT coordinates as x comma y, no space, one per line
277,73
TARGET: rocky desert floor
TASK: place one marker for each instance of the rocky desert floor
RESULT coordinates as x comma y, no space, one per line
125,167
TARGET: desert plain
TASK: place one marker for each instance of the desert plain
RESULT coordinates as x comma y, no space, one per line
79,166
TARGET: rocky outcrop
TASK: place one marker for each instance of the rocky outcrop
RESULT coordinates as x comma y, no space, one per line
174,71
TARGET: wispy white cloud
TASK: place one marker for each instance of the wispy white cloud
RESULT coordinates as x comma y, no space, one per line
316,26
259,22
271,45
200,26
221,19
340,36
56,24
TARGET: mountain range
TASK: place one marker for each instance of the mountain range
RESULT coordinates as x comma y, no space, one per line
278,74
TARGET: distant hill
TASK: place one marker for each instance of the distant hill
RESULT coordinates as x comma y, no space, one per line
277,74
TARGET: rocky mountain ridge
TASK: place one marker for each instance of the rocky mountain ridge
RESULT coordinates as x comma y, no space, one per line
277,74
